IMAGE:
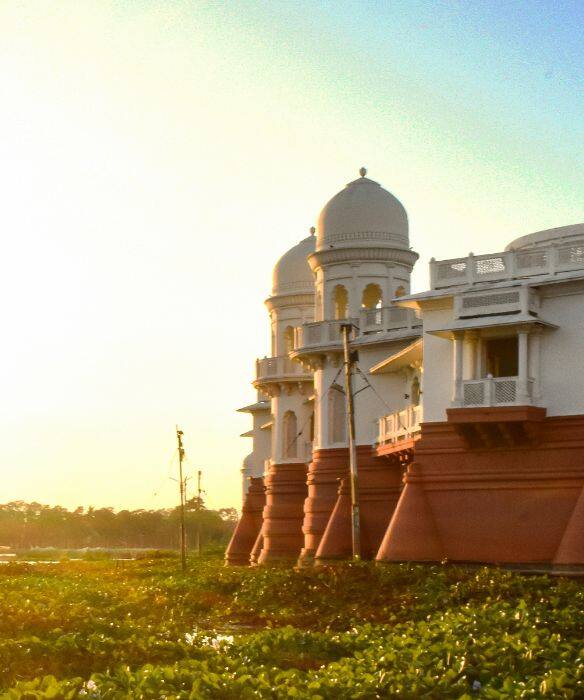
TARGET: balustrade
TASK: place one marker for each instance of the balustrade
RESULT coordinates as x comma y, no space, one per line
400,425
511,264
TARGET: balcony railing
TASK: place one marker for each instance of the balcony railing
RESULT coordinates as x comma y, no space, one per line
494,391
401,425
511,264
278,367
384,320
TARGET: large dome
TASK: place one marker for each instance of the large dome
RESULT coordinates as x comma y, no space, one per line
292,274
539,239
363,214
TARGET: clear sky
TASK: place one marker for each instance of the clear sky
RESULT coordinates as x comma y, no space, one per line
158,157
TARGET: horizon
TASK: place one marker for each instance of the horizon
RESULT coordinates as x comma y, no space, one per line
158,160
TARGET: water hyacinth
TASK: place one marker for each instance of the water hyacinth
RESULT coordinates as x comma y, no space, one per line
369,632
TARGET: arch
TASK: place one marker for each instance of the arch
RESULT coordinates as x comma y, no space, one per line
340,301
288,339
372,297
337,415
400,291
415,391
290,429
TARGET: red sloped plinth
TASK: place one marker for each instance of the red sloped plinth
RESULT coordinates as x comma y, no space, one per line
283,513
571,549
380,482
246,531
499,495
324,472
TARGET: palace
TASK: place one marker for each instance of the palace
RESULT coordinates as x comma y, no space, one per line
469,399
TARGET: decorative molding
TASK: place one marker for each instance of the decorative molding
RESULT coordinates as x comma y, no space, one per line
365,236
281,302
399,256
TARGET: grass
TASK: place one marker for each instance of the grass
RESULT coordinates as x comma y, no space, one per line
141,629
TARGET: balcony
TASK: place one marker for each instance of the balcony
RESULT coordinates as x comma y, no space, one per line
400,427
280,368
495,391
509,265
369,322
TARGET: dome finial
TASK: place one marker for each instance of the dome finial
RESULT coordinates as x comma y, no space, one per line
362,172
312,230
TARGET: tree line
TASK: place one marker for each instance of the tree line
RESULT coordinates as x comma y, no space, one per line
26,525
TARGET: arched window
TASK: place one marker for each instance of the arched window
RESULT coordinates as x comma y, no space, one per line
400,291
415,392
288,339
290,434
372,297
340,301
337,415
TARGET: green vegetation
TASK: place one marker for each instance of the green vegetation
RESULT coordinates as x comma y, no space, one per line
141,629
26,525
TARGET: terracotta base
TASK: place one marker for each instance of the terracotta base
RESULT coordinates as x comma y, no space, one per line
497,493
283,513
324,473
380,483
247,529
257,548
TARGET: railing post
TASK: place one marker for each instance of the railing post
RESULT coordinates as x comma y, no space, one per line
470,269
433,272
490,391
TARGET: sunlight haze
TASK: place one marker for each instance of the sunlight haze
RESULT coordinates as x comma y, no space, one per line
157,158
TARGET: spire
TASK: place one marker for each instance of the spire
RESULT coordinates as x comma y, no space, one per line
312,230
362,172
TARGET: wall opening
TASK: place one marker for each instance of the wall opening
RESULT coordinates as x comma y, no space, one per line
337,415
340,301
400,291
502,357
290,434
415,392
372,297
288,339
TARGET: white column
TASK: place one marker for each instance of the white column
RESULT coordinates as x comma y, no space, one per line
472,337
523,361
535,362
457,369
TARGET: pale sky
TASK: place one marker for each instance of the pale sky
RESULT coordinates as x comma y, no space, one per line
158,157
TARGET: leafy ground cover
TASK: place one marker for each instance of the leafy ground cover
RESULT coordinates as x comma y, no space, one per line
140,629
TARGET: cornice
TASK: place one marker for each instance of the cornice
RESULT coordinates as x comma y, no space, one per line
283,301
366,254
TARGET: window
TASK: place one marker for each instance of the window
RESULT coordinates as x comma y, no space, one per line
290,434
502,357
337,416
400,291
372,297
340,301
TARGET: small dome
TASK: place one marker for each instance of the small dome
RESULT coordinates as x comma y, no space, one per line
292,274
540,239
363,214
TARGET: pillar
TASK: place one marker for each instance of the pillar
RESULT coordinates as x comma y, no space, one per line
457,369
523,370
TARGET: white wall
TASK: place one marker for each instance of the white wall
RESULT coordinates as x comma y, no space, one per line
562,353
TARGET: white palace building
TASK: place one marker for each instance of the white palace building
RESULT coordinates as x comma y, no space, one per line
469,399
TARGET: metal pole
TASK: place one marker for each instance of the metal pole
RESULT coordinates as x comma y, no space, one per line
355,519
198,531
183,538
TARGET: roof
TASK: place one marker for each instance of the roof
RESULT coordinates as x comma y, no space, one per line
413,352
362,214
253,407
466,324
